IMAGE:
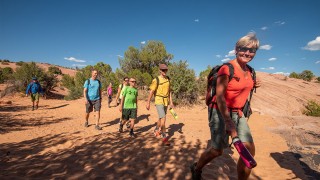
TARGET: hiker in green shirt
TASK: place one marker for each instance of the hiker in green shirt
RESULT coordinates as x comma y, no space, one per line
129,106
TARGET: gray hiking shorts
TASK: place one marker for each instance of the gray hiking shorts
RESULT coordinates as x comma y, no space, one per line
219,137
162,110
95,103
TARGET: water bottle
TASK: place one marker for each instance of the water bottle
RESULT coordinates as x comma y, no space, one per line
244,153
174,114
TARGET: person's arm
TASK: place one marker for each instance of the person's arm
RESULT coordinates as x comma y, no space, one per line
221,88
118,94
28,89
137,102
149,99
85,92
122,101
170,98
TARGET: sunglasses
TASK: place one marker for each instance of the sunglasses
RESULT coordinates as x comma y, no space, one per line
126,80
133,81
164,70
245,49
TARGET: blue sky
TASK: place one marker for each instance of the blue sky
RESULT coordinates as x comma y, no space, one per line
84,32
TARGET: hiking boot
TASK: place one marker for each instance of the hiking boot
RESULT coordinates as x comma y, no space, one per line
131,133
121,128
36,107
98,127
165,141
195,175
86,124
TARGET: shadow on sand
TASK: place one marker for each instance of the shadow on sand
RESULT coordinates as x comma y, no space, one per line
9,123
104,156
286,158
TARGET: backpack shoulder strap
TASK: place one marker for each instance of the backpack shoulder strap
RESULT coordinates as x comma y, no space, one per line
231,70
253,75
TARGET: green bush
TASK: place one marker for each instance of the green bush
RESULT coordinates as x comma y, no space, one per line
20,63
183,83
67,81
54,70
312,109
318,79
294,75
306,75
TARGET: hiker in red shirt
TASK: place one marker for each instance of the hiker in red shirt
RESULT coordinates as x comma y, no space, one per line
225,113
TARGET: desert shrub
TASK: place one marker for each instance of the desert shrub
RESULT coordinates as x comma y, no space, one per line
183,83
74,93
294,75
25,73
306,75
202,81
20,63
7,73
4,63
312,109
67,81
54,70
318,79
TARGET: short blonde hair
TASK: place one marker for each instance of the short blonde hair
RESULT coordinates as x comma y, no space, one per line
249,39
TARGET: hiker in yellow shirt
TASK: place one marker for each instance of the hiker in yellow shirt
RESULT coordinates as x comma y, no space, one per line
160,88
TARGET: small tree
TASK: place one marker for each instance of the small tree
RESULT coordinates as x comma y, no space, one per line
183,83
54,70
294,75
306,75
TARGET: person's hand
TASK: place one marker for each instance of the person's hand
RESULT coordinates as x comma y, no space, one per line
258,83
230,128
26,95
148,106
171,106
120,108
86,101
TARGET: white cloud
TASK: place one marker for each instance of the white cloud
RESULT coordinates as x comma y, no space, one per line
264,28
272,59
283,73
317,62
120,56
143,42
74,59
218,56
265,47
231,53
225,60
280,22
196,20
79,65
268,68
313,45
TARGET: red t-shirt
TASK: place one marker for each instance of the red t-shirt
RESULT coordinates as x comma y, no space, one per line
238,88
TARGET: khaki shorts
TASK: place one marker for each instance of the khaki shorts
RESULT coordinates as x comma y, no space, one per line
162,110
34,97
96,104
219,137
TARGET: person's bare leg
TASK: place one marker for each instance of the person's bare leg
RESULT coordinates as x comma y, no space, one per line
243,171
163,125
206,157
98,118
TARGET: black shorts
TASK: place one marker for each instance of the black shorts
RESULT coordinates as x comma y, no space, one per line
96,104
129,114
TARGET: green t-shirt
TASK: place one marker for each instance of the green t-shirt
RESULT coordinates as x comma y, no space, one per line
130,95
